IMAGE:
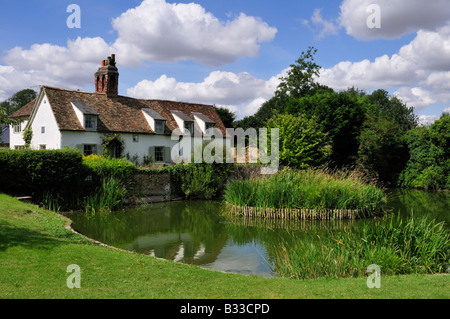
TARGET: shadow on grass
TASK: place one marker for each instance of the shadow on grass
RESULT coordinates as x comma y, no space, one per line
11,236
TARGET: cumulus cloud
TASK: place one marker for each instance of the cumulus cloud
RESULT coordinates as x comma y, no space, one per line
398,17
241,92
428,119
161,31
153,31
384,72
71,67
416,96
320,26
419,72
424,61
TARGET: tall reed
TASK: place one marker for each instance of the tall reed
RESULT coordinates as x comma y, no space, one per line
309,189
397,246
108,197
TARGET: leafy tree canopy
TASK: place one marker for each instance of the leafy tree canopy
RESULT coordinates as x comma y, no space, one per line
341,115
226,116
302,143
14,103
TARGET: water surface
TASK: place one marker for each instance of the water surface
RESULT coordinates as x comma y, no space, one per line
195,232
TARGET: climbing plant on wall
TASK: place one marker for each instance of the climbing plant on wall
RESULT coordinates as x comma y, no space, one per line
113,140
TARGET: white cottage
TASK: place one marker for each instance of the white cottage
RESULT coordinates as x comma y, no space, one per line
107,122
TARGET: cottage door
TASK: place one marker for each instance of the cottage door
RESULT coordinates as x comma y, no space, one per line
115,148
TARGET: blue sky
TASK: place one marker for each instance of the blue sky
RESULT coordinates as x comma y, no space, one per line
230,52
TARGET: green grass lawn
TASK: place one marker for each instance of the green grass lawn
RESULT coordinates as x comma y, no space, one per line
36,248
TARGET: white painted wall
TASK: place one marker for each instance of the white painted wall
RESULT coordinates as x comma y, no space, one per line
79,114
16,139
141,147
44,118
200,123
150,120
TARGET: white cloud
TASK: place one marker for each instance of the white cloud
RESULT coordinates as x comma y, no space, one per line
161,31
155,30
384,72
416,96
319,25
420,71
70,67
241,92
398,17
427,119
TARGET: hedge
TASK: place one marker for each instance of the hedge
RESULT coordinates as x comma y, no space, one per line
31,172
103,167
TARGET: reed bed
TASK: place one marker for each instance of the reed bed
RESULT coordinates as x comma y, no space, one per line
306,194
108,197
397,246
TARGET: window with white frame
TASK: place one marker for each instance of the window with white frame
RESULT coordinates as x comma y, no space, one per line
90,122
42,129
159,127
17,128
89,149
159,154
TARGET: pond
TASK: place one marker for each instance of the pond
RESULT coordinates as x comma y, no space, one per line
194,232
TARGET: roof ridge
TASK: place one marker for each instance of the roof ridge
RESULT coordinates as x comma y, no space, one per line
170,101
75,91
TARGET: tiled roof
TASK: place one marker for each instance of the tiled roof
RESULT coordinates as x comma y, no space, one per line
153,114
84,108
203,117
121,114
25,111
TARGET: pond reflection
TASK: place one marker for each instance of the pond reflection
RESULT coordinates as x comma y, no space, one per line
195,232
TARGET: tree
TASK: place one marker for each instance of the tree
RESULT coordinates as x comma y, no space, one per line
226,116
300,82
18,100
391,107
340,115
14,103
429,162
382,150
301,77
259,119
302,143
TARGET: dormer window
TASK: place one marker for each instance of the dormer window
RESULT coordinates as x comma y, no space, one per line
189,126
87,116
90,122
155,120
159,127
203,121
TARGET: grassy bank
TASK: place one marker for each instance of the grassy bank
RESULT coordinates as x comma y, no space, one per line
36,248
308,189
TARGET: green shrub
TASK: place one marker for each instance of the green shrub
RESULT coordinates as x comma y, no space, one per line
199,180
33,172
102,167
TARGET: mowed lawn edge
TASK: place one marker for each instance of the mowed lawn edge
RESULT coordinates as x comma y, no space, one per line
36,248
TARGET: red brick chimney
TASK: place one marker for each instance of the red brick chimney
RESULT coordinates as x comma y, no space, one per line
107,78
